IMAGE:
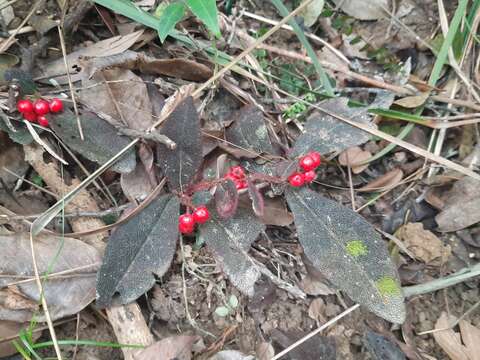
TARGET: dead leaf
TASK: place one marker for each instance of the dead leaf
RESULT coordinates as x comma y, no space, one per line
354,157
8,329
107,47
411,102
178,68
137,184
121,95
423,243
12,158
231,355
386,181
449,340
364,9
264,351
65,296
462,207
471,339
175,347
316,310
275,212
311,13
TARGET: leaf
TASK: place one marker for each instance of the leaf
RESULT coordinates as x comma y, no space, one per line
24,79
325,134
364,9
349,253
448,339
108,47
17,132
222,311
312,12
355,158
174,347
65,296
11,329
226,199
137,250
386,181
412,102
101,140
230,355
249,131
264,351
169,18
206,11
380,347
256,196
183,127
233,301
462,208
121,95
136,185
230,240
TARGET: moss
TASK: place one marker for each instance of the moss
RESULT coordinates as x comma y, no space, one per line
387,286
356,248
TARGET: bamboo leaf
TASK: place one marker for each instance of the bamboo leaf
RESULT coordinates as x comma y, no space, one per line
172,14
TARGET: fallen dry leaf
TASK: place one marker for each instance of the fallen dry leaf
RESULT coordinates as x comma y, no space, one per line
423,243
108,47
179,68
413,101
276,213
137,184
175,347
471,339
462,207
65,296
316,310
449,340
354,157
364,9
264,351
121,95
386,181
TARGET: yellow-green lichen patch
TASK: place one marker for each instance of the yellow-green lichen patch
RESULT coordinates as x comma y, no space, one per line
356,248
387,286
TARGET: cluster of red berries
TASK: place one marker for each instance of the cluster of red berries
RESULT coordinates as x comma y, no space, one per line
308,164
186,222
237,175
36,111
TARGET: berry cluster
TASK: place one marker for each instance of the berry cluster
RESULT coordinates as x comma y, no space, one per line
186,222
308,164
237,175
36,111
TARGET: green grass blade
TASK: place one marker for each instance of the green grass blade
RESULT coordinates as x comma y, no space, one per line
86,343
282,9
130,10
442,58
172,14
399,115
206,10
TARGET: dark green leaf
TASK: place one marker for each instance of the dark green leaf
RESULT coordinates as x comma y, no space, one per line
226,199
230,240
24,79
101,140
183,127
349,253
169,18
15,130
137,250
206,11
382,348
249,131
324,133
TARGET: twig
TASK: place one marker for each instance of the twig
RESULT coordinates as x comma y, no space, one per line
315,332
154,136
447,281
70,85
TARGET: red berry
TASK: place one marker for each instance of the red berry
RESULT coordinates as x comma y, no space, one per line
307,163
241,184
25,106
30,116
201,215
238,172
230,176
317,159
41,107
42,120
309,176
56,105
296,179
186,223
